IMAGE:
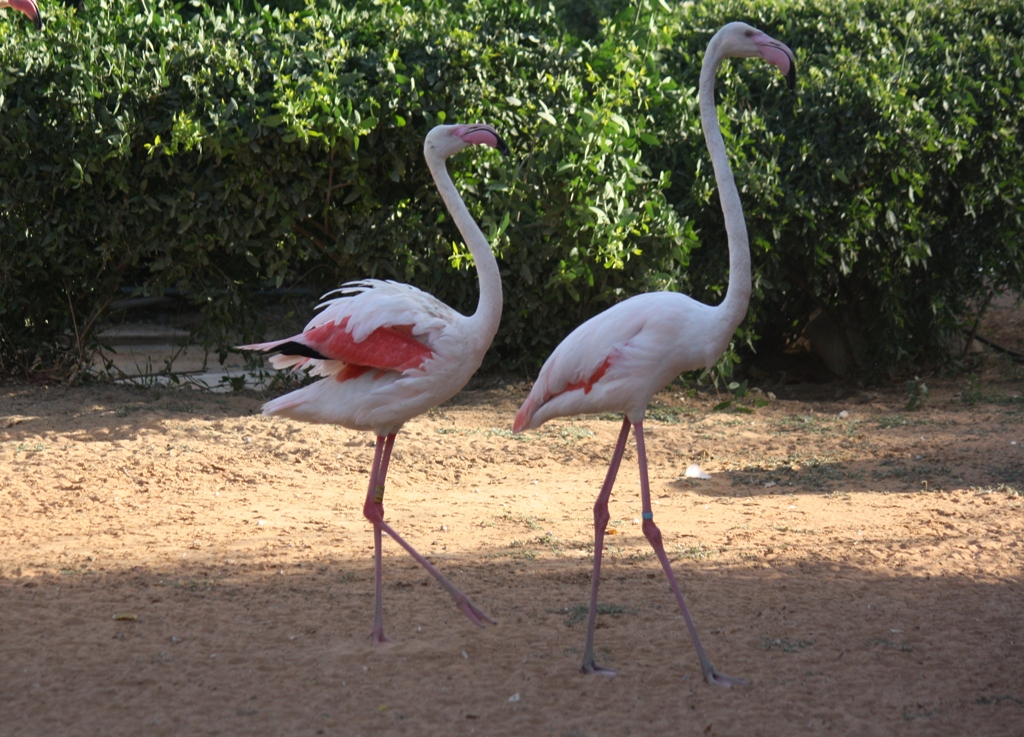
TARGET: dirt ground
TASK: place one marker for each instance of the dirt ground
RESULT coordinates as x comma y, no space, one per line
172,562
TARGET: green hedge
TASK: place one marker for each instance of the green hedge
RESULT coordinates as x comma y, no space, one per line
223,150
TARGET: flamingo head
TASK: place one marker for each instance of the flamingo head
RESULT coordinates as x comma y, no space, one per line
28,7
739,39
448,140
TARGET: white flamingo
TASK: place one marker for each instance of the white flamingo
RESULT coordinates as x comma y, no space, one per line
389,352
617,360
28,7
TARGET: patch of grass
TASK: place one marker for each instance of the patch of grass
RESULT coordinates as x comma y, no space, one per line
903,647
1001,489
841,495
554,545
671,415
972,393
887,422
797,423
518,550
799,530
194,584
694,552
917,394
1008,473
576,614
633,556
817,477
498,432
786,646
528,521
998,699
921,470
909,715
559,546
575,433
730,405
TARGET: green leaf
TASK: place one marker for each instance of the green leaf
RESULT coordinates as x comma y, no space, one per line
620,121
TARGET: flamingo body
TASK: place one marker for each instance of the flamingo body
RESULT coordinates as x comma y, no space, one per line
617,360
387,352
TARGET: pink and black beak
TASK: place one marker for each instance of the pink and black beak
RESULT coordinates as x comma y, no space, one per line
777,53
791,74
28,7
485,134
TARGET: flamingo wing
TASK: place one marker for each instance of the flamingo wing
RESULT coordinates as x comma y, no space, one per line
374,325
582,360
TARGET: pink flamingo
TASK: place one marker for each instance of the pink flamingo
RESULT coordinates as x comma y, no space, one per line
617,360
389,352
28,7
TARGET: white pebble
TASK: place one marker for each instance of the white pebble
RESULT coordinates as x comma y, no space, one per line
693,471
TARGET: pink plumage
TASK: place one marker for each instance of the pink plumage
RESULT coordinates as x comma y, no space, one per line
388,352
617,360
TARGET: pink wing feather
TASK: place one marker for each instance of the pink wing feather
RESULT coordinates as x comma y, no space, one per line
391,347
374,326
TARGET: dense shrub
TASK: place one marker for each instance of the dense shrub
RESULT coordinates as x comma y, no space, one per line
224,149
889,194
231,151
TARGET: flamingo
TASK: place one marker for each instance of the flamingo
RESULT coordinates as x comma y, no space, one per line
617,360
388,352
28,7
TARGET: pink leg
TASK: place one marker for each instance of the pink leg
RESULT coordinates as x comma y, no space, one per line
601,517
653,535
373,510
375,498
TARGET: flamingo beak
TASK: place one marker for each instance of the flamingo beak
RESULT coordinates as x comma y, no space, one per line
29,8
777,53
484,134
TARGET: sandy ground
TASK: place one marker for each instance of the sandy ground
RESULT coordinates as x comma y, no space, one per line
172,563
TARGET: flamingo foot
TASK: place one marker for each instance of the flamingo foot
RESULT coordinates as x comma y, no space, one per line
474,615
714,678
379,639
591,668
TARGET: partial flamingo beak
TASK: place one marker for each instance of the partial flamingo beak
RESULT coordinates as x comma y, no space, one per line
28,7
777,53
482,133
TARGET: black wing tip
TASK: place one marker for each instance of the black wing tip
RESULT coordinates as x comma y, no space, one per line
294,348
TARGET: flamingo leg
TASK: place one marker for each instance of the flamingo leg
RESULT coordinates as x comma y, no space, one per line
653,535
601,518
373,510
375,500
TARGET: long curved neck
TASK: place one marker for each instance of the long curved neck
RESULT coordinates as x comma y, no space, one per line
737,297
488,309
